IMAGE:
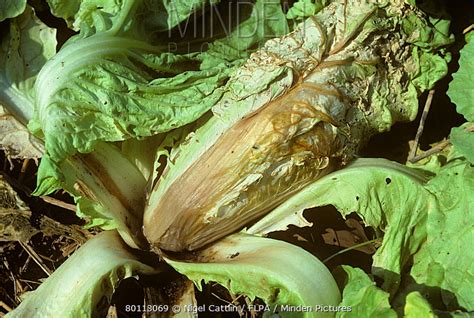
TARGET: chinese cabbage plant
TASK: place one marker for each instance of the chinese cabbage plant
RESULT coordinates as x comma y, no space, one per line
194,156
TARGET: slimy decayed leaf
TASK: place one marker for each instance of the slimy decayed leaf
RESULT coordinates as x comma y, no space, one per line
299,108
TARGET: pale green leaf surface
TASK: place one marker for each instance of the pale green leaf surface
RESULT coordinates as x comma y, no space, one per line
431,69
93,90
275,271
443,260
23,52
129,16
429,221
461,87
378,190
266,21
142,152
84,284
305,8
428,31
180,10
416,306
11,8
363,297
91,16
113,100
462,139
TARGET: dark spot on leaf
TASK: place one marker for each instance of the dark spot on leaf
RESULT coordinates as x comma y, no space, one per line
105,285
388,180
276,292
357,198
234,255
120,273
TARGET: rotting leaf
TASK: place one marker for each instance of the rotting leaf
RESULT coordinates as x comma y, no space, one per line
15,225
9,199
16,140
301,107
16,220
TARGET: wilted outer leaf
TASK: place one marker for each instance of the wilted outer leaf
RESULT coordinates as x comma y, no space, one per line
299,108
16,140
363,297
11,8
83,285
275,271
15,225
93,91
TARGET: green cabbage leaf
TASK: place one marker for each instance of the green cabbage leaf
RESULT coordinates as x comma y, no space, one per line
11,8
461,93
363,297
420,216
275,271
24,50
116,84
